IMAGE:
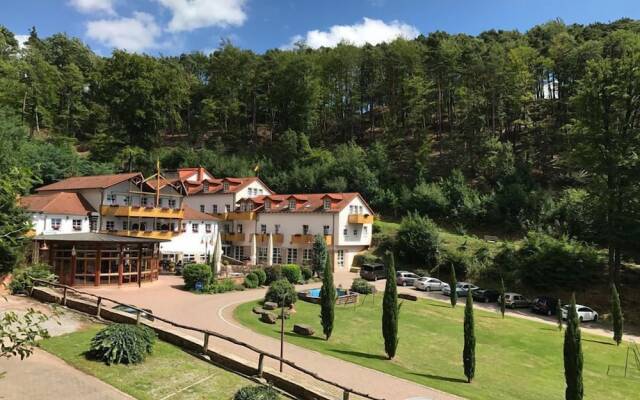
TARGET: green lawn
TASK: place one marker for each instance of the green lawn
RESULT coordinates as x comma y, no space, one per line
166,371
516,358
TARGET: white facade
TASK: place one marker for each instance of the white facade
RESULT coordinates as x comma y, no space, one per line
50,224
195,243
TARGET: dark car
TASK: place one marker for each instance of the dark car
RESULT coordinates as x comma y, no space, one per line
485,295
372,272
545,305
147,314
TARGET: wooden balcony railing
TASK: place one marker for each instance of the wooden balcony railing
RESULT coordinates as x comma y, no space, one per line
233,237
143,212
262,239
360,219
241,216
147,234
308,239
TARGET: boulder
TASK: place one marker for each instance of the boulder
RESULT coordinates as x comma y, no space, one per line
304,330
268,318
269,305
407,296
259,310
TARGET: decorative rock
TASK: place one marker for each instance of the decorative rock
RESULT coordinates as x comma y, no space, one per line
304,330
407,296
259,310
269,305
268,318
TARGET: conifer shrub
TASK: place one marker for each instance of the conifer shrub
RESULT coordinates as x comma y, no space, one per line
251,280
122,344
256,393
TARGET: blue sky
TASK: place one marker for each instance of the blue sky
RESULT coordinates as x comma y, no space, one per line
176,26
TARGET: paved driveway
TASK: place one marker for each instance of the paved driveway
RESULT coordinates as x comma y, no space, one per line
215,312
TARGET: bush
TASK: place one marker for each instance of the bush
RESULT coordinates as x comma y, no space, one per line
364,258
429,199
278,290
193,273
256,393
262,276
251,280
273,273
418,240
292,272
223,286
122,344
462,262
361,286
21,281
307,272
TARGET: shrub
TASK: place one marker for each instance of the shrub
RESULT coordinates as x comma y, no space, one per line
462,262
273,273
122,344
193,273
278,290
262,276
256,393
292,272
223,286
418,240
251,280
307,272
22,283
364,258
361,286
429,199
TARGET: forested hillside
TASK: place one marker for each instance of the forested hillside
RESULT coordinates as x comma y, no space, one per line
505,131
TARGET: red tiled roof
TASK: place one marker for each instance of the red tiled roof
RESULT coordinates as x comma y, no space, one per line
66,203
191,214
313,202
89,182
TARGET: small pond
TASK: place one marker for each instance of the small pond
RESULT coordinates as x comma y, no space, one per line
343,296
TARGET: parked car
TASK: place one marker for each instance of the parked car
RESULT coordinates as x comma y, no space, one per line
372,272
515,300
428,284
406,278
485,295
544,305
584,313
147,314
462,288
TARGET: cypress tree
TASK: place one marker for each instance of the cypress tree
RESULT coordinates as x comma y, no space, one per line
616,313
559,314
319,257
573,360
453,295
390,309
327,300
502,292
469,351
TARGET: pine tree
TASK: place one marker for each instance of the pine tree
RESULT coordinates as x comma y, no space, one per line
573,360
502,302
390,309
559,314
469,351
616,313
453,295
327,300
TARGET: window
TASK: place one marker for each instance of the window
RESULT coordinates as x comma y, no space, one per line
262,255
77,224
110,226
355,232
365,231
325,230
341,258
125,225
305,229
239,228
260,191
215,208
249,206
207,228
267,205
292,256
111,198
205,186
143,201
227,208
307,255
184,227
326,203
194,228
345,232
292,204
126,200
227,228
201,207
263,228
238,252
359,209
160,202
55,223
225,186
277,228
277,256
172,203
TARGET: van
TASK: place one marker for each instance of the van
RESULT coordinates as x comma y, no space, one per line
372,272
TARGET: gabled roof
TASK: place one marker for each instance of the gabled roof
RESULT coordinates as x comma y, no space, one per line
89,182
191,214
65,203
313,202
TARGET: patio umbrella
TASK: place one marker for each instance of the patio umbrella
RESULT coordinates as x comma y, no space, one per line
253,250
217,255
270,251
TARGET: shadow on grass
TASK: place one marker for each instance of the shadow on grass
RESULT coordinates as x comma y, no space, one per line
440,378
360,354
550,329
293,334
438,305
599,342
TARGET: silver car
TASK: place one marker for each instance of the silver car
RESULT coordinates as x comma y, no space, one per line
406,278
462,288
428,284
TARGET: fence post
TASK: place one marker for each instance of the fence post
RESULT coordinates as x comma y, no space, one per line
260,365
138,317
205,346
98,307
64,296
345,395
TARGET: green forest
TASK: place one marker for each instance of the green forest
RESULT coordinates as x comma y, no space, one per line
506,132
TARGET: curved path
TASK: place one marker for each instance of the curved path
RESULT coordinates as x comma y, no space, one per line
215,312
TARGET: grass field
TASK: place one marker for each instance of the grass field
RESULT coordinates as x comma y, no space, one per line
516,358
166,371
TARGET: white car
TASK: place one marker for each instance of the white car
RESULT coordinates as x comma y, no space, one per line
584,313
428,284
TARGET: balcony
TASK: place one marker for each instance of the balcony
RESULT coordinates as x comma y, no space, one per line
142,212
233,237
308,239
263,238
360,219
168,235
241,216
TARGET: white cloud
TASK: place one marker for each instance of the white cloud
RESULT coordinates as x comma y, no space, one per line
135,34
373,31
193,14
91,6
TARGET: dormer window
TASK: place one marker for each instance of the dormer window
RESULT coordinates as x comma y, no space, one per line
225,186
326,204
292,204
205,186
267,205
